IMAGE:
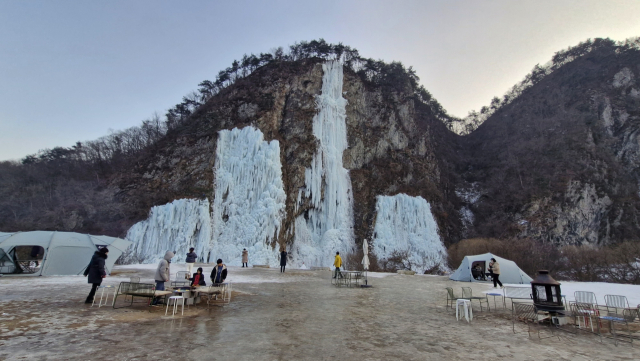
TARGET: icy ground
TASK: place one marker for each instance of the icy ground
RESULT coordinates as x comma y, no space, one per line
297,315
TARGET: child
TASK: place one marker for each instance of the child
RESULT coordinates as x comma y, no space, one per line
198,279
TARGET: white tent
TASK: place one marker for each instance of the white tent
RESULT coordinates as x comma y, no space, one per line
58,253
509,270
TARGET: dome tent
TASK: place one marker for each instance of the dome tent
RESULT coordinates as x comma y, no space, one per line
509,270
63,253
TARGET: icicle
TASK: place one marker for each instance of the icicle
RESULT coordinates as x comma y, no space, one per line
249,197
175,226
405,223
329,227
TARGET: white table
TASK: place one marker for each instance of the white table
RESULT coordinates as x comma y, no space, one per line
466,305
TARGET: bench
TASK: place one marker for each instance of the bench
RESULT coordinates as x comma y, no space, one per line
517,293
144,290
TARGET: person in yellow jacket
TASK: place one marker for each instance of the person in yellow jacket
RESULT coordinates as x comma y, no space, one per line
337,263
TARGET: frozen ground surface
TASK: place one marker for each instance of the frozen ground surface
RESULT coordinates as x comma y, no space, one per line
632,292
297,315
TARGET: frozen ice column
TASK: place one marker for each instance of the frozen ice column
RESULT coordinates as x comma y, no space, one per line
328,225
405,225
249,198
175,226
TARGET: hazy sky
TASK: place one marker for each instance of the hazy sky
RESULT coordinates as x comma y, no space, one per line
72,70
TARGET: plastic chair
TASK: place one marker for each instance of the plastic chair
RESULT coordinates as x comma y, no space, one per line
468,310
175,305
113,300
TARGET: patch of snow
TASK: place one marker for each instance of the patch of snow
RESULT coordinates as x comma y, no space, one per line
406,224
469,195
176,227
567,288
622,78
249,198
328,226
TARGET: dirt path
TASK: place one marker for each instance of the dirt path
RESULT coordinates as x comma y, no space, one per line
295,316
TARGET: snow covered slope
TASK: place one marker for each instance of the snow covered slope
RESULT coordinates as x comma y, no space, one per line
249,198
328,226
405,223
175,226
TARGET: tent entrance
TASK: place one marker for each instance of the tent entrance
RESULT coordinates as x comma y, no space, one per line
478,269
21,259
6,264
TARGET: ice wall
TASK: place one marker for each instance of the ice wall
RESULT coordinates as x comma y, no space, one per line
328,226
405,223
249,198
175,226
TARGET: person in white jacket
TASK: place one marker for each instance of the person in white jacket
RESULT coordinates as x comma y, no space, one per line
163,273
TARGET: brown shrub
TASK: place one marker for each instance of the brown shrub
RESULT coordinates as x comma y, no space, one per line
619,263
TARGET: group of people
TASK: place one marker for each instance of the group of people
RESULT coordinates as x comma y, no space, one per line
163,273
96,272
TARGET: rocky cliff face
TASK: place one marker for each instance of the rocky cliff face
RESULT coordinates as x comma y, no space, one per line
391,147
560,164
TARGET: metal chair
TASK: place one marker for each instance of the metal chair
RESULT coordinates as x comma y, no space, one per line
182,279
618,311
451,299
588,308
528,314
467,293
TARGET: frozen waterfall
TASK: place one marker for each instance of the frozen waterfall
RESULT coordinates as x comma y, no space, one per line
328,226
249,198
175,226
405,224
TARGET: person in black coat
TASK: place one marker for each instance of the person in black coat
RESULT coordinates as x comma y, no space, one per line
96,272
219,273
283,260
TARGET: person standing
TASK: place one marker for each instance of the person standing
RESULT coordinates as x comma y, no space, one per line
191,260
337,263
245,257
96,272
283,260
219,273
163,274
494,269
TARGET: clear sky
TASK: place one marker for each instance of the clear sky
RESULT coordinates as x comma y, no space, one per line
72,70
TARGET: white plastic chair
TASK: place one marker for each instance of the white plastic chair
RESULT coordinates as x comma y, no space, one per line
175,305
107,298
466,305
